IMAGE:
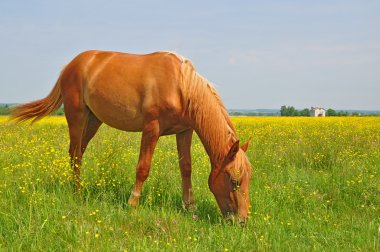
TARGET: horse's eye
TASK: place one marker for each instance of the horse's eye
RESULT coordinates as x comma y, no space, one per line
234,182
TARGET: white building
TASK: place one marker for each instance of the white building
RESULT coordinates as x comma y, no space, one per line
317,112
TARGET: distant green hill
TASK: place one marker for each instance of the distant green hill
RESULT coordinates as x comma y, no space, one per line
5,109
254,112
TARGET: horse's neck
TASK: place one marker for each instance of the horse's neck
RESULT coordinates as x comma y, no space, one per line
216,135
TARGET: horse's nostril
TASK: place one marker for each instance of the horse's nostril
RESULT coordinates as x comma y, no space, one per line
243,222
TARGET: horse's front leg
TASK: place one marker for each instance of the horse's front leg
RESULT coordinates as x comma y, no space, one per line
149,140
183,146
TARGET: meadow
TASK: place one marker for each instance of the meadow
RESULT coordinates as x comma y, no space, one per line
315,187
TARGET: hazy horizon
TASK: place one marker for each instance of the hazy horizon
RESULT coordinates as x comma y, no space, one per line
260,109
258,54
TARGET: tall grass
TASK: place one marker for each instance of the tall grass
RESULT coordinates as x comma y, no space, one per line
315,186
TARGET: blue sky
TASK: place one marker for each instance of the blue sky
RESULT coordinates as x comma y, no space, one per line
258,54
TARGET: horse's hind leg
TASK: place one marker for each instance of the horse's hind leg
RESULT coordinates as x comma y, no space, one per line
83,125
76,119
183,146
149,140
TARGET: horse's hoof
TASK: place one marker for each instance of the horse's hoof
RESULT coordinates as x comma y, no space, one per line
133,201
189,206
77,186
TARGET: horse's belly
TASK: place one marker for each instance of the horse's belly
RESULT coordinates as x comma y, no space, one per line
125,120
117,113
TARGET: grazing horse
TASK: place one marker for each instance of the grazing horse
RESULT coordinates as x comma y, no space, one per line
156,94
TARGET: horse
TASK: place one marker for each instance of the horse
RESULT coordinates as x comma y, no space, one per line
158,94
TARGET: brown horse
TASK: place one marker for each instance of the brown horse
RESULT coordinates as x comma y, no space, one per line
159,94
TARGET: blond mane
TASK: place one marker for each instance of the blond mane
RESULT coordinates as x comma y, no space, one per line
206,109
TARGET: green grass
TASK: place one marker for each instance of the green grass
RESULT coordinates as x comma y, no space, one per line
315,186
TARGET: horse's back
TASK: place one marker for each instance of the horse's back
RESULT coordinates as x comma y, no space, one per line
126,90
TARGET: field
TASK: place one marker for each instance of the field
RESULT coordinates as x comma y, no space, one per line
315,186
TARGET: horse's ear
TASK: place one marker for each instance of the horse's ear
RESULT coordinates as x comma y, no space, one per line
232,152
244,147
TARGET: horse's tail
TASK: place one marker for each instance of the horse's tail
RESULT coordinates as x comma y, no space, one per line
36,110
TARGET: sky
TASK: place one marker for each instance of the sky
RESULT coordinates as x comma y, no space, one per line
258,54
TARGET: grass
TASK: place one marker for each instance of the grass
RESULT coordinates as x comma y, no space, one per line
315,186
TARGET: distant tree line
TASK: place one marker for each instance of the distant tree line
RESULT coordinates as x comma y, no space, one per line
332,112
291,111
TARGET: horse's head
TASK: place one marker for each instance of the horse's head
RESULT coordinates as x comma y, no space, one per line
230,183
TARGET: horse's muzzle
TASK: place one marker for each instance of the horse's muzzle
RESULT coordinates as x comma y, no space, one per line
235,219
